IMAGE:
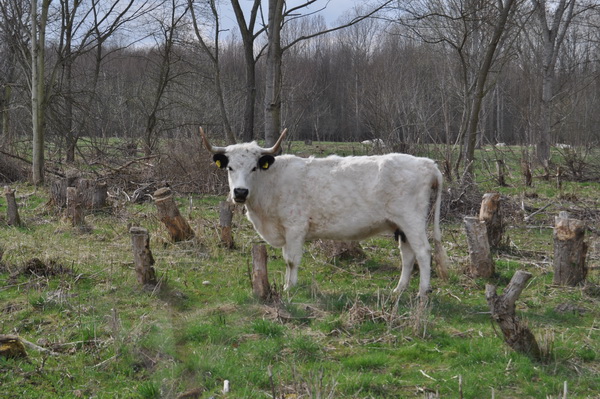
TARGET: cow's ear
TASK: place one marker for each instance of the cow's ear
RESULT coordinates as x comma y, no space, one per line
221,160
266,161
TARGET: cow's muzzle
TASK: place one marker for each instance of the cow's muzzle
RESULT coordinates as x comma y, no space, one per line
240,195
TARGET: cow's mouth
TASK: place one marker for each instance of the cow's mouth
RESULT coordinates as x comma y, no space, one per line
240,195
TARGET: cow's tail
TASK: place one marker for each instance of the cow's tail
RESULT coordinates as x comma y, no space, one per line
439,255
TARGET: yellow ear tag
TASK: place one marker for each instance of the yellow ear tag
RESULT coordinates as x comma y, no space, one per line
218,163
266,165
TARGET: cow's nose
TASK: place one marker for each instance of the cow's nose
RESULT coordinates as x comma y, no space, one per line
240,194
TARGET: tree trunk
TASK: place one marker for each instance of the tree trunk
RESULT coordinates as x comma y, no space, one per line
225,218
516,335
260,279
501,169
12,211
492,216
481,264
38,92
526,170
168,213
569,251
93,194
5,105
480,86
273,73
142,256
560,15
74,207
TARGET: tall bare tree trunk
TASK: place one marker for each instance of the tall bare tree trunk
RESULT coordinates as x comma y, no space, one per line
248,39
480,85
38,42
273,73
212,52
552,36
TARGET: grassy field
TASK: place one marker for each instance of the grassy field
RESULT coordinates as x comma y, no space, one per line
340,333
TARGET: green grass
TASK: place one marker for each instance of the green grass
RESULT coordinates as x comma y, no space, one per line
340,333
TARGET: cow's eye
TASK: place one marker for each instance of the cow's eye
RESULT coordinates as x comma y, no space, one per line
229,168
254,169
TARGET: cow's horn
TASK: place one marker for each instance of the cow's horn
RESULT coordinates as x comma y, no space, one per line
275,149
214,150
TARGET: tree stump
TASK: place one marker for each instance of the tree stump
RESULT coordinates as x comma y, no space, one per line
12,211
74,208
569,251
93,194
168,213
516,335
559,173
142,256
526,170
260,279
500,168
481,264
225,219
11,347
490,213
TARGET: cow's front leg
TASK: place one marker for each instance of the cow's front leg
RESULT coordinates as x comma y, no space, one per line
292,254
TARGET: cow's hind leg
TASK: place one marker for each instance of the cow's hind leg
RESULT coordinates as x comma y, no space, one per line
292,254
414,245
422,250
408,262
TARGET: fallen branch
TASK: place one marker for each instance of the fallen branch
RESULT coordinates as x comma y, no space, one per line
14,346
526,218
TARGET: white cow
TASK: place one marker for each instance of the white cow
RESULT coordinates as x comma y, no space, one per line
373,143
290,200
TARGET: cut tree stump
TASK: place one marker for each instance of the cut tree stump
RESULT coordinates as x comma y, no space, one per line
502,307
225,219
500,169
11,347
74,208
526,170
569,251
481,263
168,213
92,194
490,213
12,211
142,256
260,279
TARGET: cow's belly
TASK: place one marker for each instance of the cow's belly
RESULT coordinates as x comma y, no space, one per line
349,229
296,223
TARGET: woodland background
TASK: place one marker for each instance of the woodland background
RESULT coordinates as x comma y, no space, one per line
459,73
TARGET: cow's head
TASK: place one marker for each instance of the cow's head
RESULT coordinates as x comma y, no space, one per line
243,162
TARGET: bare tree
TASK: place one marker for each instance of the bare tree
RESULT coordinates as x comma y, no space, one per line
168,24
38,87
213,54
90,25
474,30
13,39
554,21
249,34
